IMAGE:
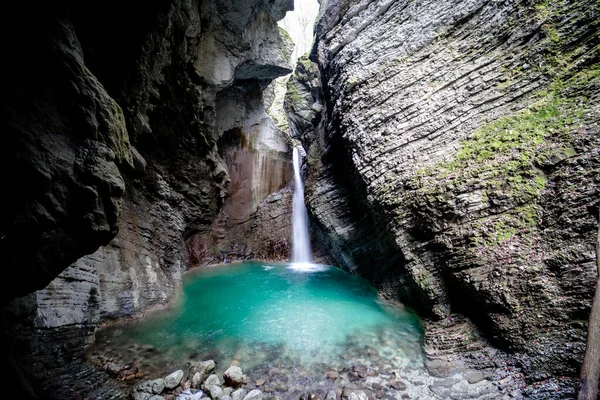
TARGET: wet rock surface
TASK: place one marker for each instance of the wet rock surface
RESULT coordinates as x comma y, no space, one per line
131,168
442,152
369,369
130,160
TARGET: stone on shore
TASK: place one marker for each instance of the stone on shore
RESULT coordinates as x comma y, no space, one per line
173,380
255,395
234,376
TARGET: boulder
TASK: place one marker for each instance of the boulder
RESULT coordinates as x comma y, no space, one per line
255,395
204,368
141,396
197,380
114,368
215,392
212,380
348,394
155,386
173,380
234,376
239,394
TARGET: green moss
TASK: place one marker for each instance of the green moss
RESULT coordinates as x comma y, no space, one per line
305,62
285,34
502,160
423,279
293,96
118,136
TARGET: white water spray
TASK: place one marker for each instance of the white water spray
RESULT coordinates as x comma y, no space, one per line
300,241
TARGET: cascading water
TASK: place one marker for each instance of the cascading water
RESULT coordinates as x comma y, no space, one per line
301,244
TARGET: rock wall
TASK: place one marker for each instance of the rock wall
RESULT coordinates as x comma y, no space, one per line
459,141
120,138
64,149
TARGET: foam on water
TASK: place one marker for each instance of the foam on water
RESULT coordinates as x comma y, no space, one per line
300,240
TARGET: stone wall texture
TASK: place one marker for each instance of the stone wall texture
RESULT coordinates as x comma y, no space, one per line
123,139
454,160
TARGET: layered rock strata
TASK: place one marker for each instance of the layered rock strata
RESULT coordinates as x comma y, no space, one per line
119,140
459,140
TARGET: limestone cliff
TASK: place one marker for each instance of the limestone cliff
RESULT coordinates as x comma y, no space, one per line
456,164
116,152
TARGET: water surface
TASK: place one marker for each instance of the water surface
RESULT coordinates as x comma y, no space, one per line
272,315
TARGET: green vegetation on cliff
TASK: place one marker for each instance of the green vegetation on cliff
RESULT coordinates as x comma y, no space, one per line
504,162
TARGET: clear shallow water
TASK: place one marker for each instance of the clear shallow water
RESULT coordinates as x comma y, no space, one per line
265,315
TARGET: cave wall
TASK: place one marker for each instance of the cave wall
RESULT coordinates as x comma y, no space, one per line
459,140
115,142
257,156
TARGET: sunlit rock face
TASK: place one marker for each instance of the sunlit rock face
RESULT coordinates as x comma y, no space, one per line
453,126
240,40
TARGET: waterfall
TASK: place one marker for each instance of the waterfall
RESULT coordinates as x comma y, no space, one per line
301,244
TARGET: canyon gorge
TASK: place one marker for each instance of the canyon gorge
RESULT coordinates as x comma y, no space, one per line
452,160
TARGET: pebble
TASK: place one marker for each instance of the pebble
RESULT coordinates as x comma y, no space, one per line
398,385
348,394
114,368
